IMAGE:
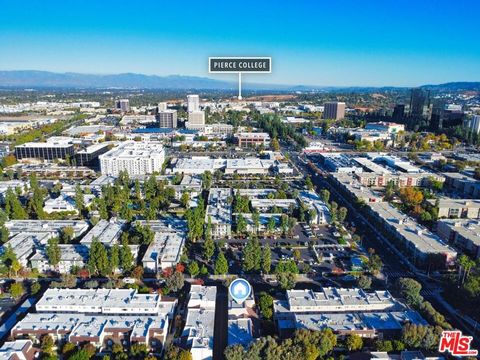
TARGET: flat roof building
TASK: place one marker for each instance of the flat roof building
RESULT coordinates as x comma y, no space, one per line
136,158
53,149
464,233
198,332
419,243
107,232
219,212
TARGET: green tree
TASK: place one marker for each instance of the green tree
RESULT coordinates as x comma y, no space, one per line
127,260
67,234
241,224
221,265
175,281
308,183
354,342
252,255
265,304
4,234
35,288
114,257
410,291
17,290
364,282
13,207
98,262
208,244
193,269
342,214
35,205
46,345
53,252
79,199
266,259
325,195
275,144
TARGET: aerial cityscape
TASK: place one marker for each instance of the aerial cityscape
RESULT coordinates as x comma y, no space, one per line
219,184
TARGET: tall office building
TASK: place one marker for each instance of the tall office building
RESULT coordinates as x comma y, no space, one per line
193,103
446,116
475,124
122,105
334,110
196,118
162,106
419,103
398,113
167,119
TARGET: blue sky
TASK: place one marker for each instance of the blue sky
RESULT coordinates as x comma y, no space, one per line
316,42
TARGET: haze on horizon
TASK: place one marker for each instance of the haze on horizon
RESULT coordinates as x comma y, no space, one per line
341,43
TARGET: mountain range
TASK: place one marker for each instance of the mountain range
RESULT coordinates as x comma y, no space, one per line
35,78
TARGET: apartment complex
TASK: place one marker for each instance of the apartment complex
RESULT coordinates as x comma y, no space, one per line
199,325
345,311
219,212
136,158
464,233
101,317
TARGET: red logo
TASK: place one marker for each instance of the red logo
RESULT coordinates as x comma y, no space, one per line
456,344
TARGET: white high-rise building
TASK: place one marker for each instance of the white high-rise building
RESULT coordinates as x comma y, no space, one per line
162,106
137,158
196,118
193,103
475,124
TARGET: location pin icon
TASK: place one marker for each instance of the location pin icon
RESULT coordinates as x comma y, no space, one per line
240,290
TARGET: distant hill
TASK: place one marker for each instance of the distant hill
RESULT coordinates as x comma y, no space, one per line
33,78
455,86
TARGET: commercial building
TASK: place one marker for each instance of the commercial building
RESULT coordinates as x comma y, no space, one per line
101,317
53,149
162,106
389,127
419,103
253,139
474,124
193,103
136,158
199,325
167,119
463,233
197,165
249,166
196,118
89,156
219,212
340,163
123,105
334,110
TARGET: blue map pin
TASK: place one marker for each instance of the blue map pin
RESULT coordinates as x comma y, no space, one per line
240,290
